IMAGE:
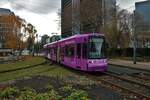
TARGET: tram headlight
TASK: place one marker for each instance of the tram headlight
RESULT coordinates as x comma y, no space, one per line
105,61
91,61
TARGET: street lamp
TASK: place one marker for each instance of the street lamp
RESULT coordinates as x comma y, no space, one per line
134,38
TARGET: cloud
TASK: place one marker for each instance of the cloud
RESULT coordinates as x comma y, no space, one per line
2,2
36,6
49,6
128,4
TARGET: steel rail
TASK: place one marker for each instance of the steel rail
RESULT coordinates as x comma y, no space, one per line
140,95
124,89
127,80
144,78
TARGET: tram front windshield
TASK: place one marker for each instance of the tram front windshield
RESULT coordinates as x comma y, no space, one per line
96,48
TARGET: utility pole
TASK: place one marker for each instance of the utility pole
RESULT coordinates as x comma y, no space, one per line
37,46
134,38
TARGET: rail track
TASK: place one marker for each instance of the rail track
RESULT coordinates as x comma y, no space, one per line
139,78
130,88
127,92
131,85
142,76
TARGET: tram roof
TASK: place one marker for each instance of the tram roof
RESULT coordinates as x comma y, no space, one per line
76,36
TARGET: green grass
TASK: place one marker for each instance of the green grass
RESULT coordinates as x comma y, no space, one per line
56,70
20,64
46,70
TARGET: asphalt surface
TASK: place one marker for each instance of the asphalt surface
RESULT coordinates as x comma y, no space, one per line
125,70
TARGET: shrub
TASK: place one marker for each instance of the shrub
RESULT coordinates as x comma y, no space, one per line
67,90
42,96
53,95
9,93
49,87
78,95
31,94
27,94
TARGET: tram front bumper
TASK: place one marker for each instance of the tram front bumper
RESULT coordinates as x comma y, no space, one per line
97,65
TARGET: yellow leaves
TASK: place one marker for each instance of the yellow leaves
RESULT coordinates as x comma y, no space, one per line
10,23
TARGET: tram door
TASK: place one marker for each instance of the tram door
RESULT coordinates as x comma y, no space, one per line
62,54
58,55
78,56
82,56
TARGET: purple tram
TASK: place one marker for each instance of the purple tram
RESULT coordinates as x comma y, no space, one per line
83,52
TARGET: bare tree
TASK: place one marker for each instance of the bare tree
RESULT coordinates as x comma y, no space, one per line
91,15
118,32
124,28
31,31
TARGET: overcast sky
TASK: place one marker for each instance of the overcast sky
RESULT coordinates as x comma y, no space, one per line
128,4
43,13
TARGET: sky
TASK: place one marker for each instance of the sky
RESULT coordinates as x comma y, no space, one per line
43,13
128,4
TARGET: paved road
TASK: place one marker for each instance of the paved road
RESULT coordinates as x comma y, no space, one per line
139,65
123,70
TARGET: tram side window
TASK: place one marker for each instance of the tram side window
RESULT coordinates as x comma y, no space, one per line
72,51
66,50
49,50
55,50
69,51
78,50
84,50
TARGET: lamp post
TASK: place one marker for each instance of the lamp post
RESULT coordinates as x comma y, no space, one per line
39,43
134,38
37,47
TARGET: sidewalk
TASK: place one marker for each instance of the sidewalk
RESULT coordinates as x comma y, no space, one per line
138,65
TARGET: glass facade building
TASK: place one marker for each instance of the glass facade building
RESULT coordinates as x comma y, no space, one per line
142,23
